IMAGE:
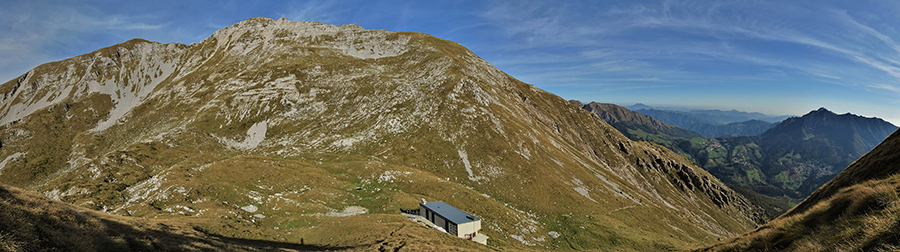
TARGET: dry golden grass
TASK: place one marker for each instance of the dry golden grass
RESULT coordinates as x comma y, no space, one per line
863,217
32,222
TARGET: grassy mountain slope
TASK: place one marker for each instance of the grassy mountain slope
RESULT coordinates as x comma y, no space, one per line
33,222
856,211
302,132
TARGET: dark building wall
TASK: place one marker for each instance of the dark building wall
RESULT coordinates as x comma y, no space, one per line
440,221
452,229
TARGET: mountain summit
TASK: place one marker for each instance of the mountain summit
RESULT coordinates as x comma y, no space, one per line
310,133
859,134
796,156
809,150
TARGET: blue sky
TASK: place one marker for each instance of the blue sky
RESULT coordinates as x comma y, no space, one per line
775,57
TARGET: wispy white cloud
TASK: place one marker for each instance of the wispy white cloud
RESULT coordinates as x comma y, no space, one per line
664,30
31,37
888,68
621,66
318,11
597,53
884,86
824,75
843,17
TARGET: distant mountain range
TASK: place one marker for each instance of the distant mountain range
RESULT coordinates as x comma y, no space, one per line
715,116
630,123
712,123
792,159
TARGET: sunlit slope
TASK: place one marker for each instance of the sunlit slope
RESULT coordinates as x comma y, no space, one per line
303,131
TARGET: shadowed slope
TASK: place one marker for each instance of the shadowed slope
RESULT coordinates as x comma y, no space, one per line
880,163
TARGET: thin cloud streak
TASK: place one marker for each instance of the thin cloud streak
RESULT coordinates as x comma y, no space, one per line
723,22
27,39
318,11
887,87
